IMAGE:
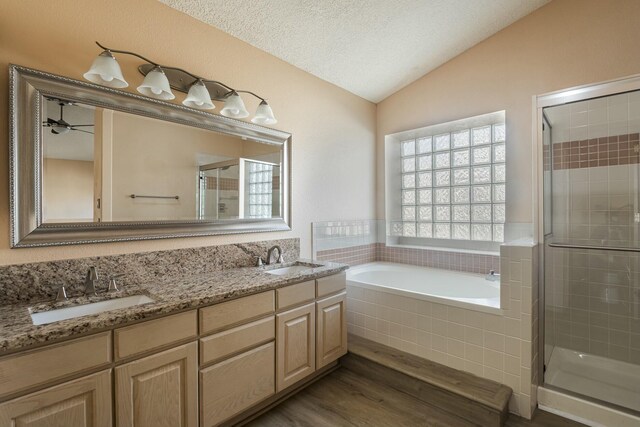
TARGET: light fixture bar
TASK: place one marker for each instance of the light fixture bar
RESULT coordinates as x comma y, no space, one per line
182,80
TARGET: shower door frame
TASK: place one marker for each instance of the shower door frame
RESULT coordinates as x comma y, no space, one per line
539,102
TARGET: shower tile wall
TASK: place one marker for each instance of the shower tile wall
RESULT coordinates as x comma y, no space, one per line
592,297
593,303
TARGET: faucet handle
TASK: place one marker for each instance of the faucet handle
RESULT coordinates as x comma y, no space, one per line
62,294
113,286
259,261
281,259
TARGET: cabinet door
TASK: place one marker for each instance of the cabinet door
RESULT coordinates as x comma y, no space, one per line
296,343
331,340
159,390
231,386
85,402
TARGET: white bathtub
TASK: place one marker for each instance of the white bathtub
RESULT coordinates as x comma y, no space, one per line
457,288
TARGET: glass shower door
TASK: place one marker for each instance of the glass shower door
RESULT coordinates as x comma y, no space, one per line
592,249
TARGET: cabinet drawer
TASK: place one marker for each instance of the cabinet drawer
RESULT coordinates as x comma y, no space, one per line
231,313
82,402
236,384
146,336
236,340
40,366
295,294
331,284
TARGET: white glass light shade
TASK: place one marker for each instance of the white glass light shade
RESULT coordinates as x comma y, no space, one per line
156,85
199,97
59,130
264,115
234,107
105,71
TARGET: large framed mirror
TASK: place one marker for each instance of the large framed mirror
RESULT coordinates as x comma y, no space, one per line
93,164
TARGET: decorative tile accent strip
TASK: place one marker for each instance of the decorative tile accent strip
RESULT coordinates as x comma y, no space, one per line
588,153
354,255
39,281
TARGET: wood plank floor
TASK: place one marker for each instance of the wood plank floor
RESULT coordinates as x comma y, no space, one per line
344,398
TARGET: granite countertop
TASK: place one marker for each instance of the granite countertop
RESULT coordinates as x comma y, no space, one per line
170,295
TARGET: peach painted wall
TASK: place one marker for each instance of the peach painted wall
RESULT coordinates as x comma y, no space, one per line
563,44
67,190
333,130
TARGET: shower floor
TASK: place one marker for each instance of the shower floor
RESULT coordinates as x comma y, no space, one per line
594,376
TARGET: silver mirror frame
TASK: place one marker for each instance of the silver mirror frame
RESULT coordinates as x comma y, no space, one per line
28,86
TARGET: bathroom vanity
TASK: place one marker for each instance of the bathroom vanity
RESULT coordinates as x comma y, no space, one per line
210,358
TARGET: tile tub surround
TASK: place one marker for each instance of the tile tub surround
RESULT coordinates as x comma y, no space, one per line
357,242
498,347
457,261
39,281
170,295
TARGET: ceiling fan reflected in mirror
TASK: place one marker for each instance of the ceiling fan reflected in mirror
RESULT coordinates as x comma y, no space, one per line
60,126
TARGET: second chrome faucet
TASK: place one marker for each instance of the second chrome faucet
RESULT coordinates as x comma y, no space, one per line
269,260
90,282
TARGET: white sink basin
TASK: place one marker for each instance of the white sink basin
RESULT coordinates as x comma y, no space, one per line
289,270
51,316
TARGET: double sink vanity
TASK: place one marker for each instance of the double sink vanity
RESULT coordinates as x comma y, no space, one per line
207,349
183,337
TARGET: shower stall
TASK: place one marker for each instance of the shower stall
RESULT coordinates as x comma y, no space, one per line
590,270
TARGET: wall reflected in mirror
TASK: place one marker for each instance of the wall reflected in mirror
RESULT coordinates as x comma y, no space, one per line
103,165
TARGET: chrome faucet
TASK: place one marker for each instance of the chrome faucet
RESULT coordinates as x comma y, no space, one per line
90,282
280,258
493,276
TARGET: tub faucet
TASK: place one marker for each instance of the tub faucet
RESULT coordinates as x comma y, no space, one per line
493,276
280,258
90,282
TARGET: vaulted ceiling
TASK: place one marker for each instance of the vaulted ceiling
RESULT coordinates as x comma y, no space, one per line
371,48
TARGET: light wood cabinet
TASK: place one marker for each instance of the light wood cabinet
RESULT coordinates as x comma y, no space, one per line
236,384
159,390
85,402
239,354
331,339
296,345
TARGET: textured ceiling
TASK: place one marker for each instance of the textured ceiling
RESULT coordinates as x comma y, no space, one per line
369,47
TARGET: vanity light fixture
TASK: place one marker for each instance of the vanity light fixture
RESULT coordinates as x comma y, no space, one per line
160,79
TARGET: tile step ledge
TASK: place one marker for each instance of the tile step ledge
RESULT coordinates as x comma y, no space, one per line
478,401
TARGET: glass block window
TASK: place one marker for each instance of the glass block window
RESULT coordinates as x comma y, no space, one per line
260,181
453,185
